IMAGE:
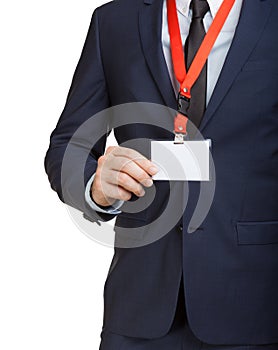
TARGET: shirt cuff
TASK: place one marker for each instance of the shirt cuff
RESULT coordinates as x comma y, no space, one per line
113,209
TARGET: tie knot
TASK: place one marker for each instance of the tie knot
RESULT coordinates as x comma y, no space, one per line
199,8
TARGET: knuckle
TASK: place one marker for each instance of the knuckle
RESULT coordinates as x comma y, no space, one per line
142,176
110,149
129,151
101,160
123,179
125,196
125,165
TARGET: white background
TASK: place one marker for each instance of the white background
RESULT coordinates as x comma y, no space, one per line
51,274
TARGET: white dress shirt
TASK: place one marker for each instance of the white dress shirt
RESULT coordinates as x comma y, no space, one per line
221,47
215,62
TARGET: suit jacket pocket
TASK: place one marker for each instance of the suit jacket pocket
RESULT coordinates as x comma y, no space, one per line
249,233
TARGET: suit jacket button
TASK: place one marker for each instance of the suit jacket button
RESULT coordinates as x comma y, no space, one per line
180,227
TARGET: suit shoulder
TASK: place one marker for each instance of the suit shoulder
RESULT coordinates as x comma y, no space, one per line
118,14
120,5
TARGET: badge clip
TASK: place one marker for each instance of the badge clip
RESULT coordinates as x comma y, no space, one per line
181,119
180,138
183,104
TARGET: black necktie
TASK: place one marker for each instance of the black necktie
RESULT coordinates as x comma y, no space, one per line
196,35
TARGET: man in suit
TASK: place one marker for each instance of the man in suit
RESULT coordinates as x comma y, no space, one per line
216,288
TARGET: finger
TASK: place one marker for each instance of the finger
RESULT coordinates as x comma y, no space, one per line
126,182
110,149
132,169
137,157
116,192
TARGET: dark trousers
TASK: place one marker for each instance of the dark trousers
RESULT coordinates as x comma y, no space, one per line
180,337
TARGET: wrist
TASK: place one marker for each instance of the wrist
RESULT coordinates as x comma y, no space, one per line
100,200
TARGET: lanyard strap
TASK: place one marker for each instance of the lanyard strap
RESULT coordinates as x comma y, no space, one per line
187,79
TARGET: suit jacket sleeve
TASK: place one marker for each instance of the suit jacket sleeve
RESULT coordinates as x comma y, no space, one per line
80,135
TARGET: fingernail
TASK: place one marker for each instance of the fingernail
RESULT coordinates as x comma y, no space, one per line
153,169
147,183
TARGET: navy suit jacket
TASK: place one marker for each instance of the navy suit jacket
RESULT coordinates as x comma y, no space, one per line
230,264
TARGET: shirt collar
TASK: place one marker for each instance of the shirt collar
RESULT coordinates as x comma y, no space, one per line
184,5
214,6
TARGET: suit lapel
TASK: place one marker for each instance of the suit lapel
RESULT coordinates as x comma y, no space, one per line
150,26
251,24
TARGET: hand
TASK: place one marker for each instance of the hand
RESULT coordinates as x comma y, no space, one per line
120,173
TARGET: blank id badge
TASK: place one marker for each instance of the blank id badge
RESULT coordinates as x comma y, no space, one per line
187,161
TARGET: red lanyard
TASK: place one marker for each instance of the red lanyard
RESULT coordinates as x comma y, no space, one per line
187,79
